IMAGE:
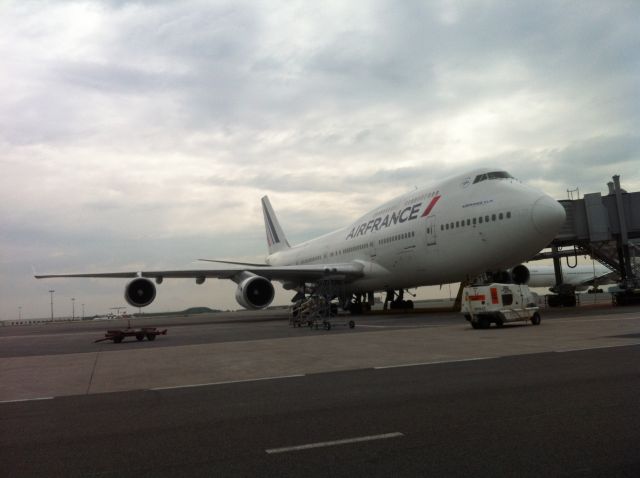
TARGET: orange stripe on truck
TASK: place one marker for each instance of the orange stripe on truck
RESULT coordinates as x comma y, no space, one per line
494,295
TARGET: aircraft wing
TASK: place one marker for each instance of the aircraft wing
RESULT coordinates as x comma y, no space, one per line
310,272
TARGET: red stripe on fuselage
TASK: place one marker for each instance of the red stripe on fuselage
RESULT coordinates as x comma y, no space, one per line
430,206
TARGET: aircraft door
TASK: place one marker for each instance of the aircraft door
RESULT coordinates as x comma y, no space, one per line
431,231
373,252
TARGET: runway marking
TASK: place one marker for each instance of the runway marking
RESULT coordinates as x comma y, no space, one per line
596,347
334,443
383,367
226,382
596,319
26,400
400,326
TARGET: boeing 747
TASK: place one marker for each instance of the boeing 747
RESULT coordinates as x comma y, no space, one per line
483,220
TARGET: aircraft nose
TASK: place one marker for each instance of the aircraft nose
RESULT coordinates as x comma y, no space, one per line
548,216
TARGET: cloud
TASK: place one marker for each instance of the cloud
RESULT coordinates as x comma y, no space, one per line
144,132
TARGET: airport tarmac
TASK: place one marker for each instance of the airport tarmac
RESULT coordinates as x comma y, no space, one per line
245,394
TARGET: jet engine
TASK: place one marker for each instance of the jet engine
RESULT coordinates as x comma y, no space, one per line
139,292
520,274
254,292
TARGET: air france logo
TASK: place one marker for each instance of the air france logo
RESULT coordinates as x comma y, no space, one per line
379,223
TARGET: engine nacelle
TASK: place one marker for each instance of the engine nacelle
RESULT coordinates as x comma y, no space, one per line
502,277
255,292
520,274
140,292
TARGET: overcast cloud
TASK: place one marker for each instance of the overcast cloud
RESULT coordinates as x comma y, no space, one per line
143,134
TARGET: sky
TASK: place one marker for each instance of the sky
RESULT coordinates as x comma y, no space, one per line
142,135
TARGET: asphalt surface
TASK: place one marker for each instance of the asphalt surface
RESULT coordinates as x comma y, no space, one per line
79,337
399,395
553,414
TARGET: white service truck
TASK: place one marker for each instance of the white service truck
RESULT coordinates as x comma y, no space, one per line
483,305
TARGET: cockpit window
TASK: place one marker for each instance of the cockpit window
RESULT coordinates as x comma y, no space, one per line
492,175
499,175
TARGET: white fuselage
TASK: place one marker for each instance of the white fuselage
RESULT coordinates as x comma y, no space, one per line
451,231
580,276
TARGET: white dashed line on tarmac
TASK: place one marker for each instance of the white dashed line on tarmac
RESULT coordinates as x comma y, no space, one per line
26,400
399,326
596,348
383,367
323,444
175,387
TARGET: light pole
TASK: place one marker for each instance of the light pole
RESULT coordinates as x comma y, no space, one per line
73,308
51,292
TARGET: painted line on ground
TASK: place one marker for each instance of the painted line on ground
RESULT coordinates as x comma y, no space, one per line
384,367
597,319
26,400
596,348
334,443
418,326
227,382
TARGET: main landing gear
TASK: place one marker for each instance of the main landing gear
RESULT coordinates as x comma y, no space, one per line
395,302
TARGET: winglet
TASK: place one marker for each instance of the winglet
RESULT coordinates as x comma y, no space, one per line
276,239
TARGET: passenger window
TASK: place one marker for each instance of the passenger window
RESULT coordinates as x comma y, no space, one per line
501,216
480,220
457,224
493,217
507,299
447,227
509,215
486,219
474,221
468,222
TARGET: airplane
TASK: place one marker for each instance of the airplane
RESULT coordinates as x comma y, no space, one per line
452,231
582,276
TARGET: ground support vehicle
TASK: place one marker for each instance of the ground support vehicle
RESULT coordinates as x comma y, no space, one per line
119,335
499,303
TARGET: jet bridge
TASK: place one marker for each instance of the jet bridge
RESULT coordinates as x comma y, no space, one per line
608,229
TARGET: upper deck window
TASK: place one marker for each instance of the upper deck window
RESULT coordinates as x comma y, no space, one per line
492,175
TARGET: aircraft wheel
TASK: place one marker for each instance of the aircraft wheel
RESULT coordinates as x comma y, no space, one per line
484,323
535,320
140,337
151,337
